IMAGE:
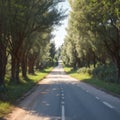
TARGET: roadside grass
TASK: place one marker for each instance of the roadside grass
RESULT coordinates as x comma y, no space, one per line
85,77
14,92
5,108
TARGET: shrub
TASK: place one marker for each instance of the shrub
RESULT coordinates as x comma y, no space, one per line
86,70
105,72
102,72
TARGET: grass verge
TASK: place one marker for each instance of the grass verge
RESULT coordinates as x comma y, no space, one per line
85,77
16,91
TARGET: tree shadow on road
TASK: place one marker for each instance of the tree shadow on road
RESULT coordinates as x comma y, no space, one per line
41,102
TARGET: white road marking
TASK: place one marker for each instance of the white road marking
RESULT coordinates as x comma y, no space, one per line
107,104
63,98
62,105
97,98
63,113
62,102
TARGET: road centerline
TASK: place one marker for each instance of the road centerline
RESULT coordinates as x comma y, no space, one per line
62,105
63,112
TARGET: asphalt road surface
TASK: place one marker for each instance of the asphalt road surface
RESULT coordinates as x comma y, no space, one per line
60,97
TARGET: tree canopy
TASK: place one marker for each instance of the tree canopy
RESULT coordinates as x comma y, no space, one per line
25,33
93,34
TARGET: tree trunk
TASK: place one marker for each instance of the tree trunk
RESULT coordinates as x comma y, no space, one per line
15,70
3,62
78,62
118,70
31,63
118,76
17,80
38,65
74,65
12,68
24,67
94,59
31,66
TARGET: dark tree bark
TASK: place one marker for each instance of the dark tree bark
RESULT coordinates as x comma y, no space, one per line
117,64
31,67
24,66
31,63
3,62
12,68
15,66
38,66
94,59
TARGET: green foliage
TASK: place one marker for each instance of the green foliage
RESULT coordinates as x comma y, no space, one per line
86,70
105,72
5,108
93,35
102,72
25,33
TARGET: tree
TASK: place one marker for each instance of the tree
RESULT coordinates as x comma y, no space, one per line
44,17
94,28
106,23
18,22
4,36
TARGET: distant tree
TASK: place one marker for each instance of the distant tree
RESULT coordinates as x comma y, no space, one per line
52,49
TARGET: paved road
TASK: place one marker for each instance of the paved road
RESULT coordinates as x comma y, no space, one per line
60,97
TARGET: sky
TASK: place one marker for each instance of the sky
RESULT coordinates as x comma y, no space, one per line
60,31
